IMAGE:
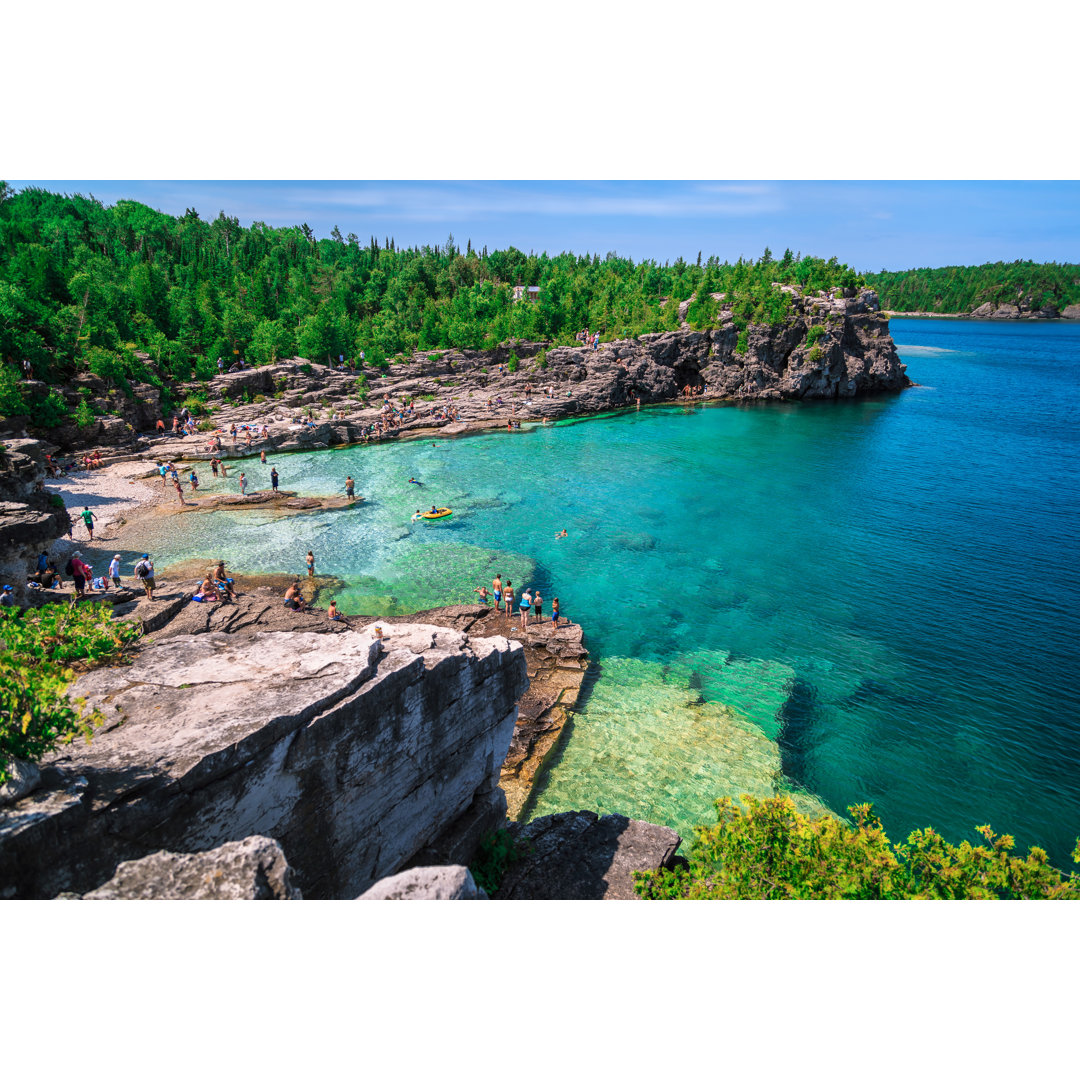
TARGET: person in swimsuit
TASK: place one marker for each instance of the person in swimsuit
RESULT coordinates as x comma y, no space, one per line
273,479
350,487
293,599
508,597
224,581
523,607
560,535
555,613
538,607
496,588
483,591
310,560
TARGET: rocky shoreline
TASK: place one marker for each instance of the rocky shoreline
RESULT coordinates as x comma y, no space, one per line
834,345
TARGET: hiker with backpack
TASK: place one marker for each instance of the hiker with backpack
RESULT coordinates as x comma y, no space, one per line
144,571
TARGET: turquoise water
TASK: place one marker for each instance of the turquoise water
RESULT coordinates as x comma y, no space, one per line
871,601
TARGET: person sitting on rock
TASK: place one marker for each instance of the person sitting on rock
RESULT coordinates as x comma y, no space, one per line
293,598
224,582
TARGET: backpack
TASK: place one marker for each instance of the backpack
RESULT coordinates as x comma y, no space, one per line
142,570
70,568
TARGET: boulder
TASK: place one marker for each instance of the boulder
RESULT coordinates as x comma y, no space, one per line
580,856
1071,312
250,869
24,777
983,311
1006,311
427,883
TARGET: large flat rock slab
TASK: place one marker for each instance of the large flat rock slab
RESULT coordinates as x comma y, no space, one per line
353,752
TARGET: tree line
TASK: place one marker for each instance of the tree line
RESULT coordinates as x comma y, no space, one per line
961,289
85,287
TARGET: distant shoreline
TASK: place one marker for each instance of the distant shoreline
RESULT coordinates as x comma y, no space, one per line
970,317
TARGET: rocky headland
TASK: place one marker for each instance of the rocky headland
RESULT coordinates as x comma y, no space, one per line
832,345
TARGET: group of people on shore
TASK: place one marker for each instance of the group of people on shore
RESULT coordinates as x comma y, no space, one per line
84,579
528,603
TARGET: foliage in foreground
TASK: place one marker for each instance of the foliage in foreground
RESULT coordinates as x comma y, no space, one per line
497,853
770,851
35,713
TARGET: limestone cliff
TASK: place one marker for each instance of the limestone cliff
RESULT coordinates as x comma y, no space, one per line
350,751
829,346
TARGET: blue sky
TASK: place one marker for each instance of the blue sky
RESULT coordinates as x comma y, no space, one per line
868,224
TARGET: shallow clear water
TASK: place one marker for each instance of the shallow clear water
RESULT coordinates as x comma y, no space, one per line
885,591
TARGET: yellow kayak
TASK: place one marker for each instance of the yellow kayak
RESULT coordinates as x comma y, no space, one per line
443,511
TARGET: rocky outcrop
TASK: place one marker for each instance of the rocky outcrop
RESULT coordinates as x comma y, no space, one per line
832,345
29,518
580,856
251,869
353,752
427,883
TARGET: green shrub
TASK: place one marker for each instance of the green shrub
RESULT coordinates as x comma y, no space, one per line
206,425
512,363
427,397
258,399
743,343
815,334
769,851
84,415
306,369
35,713
497,853
816,354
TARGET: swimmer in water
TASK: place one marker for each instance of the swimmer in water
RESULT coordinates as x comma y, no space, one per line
560,535
413,480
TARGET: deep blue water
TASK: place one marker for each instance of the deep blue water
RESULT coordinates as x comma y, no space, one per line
886,590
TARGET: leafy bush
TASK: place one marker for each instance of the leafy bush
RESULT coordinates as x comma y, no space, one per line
743,343
815,334
258,399
35,713
769,851
306,369
206,425
512,363
84,415
497,853
816,354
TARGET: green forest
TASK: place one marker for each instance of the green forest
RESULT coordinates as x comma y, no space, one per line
85,287
961,289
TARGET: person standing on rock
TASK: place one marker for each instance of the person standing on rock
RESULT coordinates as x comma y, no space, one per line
88,520
273,479
508,597
114,571
243,484
144,571
350,487
555,614
310,560
179,492
526,603
80,575
538,606
496,588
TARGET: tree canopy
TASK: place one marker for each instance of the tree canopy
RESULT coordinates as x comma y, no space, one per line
961,289
84,287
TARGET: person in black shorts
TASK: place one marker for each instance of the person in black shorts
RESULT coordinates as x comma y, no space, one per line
538,607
